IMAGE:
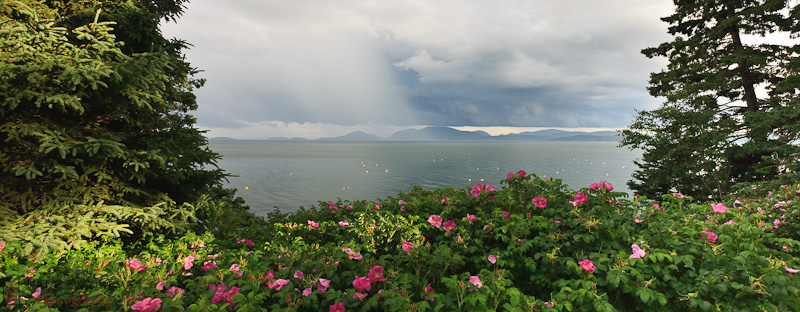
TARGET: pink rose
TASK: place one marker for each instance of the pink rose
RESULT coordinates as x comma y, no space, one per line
147,305
539,202
407,246
435,220
587,265
361,284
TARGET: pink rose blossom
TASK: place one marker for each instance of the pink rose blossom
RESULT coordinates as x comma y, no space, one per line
306,292
361,284
313,224
520,173
37,293
449,225
187,262
492,259
435,220
407,246
221,296
638,253
278,283
776,223
476,190
711,236
246,241
637,220
172,291
298,274
471,217
548,304
539,202
719,208
579,199
375,274
337,307
790,270
429,289
234,268
323,285
352,254
360,296
587,265
602,184
209,264
475,281
147,305
160,285
506,214
134,265
344,223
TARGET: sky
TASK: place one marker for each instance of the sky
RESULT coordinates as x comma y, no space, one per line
320,68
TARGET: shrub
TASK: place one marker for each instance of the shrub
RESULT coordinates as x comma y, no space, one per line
474,249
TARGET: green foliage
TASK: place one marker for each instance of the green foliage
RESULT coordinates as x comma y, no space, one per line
714,132
536,256
94,105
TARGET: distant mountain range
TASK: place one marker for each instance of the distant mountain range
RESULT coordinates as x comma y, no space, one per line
450,134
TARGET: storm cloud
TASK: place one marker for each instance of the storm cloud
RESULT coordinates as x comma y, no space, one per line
311,68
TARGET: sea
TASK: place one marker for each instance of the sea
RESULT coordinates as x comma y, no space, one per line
290,174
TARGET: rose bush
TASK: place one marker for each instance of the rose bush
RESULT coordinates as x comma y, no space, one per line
532,244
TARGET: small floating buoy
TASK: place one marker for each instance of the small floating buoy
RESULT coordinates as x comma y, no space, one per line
245,187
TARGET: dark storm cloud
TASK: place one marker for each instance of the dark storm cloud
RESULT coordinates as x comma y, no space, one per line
289,65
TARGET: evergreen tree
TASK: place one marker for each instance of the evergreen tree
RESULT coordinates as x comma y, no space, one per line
94,106
714,131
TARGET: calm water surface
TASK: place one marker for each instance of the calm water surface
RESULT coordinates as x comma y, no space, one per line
290,174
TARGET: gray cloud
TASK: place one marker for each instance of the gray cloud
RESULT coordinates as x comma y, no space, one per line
531,63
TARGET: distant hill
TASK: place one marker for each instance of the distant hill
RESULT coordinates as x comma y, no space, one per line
450,134
354,136
588,137
439,134
560,135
